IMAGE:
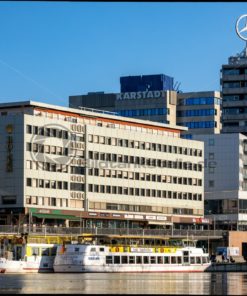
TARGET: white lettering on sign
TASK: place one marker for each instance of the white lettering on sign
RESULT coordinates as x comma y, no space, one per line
138,216
142,250
151,217
129,216
161,218
140,95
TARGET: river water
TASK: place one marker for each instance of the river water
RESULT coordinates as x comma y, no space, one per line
126,283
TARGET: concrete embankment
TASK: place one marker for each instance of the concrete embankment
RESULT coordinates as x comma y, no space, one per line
228,267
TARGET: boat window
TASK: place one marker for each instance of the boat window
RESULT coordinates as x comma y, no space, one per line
124,259
77,249
146,260
166,260
131,259
138,259
35,251
179,260
53,251
204,259
153,260
108,260
160,260
198,260
93,250
116,259
192,260
44,252
173,260
102,249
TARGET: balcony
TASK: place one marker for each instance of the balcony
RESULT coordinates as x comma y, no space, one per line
239,103
234,90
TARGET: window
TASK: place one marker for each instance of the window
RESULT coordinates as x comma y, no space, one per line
116,259
211,142
8,200
109,260
211,183
145,260
29,129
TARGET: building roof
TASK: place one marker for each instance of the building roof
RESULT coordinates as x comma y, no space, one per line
91,113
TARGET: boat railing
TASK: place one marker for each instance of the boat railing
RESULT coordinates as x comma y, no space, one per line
52,230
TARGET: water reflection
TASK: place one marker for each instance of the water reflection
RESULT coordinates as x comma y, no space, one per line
128,283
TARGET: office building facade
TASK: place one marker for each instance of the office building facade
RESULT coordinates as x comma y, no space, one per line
200,112
63,165
225,175
234,94
152,97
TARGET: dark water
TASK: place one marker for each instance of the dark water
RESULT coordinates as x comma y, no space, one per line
126,283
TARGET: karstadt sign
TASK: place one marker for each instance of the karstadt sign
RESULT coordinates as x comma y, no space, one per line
140,95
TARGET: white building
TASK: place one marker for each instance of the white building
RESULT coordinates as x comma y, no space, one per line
226,179
64,165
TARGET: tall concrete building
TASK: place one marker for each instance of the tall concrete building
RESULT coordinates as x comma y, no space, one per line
62,165
200,112
234,94
225,173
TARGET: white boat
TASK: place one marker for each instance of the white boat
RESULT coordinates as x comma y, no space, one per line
29,258
99,258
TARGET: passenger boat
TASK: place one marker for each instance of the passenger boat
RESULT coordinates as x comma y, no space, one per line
99,258
29,258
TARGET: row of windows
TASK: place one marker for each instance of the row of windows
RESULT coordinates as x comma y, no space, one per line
200,101
47,132
93,122
40,148
235,111
155,259
54,167
46,201
202,112
199,124
234,123
234,71
144,177
54,202
229,98
186,165
47,166
143,112
144,145
235,84
143,209
40,183
120,190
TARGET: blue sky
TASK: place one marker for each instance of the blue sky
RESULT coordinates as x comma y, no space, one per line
49,51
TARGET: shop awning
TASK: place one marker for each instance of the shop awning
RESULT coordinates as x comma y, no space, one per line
55,216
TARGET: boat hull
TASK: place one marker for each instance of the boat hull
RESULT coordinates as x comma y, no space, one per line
136,268
12,266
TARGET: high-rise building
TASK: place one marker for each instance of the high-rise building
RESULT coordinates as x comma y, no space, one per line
234,94
62,165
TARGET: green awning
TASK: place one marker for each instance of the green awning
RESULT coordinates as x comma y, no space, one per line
54,216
